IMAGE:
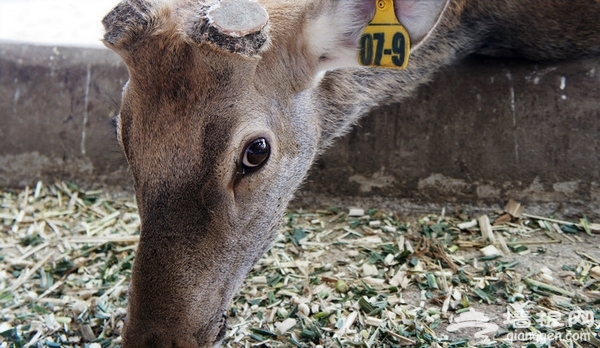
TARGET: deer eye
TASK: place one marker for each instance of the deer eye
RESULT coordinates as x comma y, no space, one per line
256,153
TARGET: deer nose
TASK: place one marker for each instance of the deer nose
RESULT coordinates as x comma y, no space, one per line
216,341
209,337
184,344
154,341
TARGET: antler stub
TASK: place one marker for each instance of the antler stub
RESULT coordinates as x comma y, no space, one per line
125,22
238,18
238,26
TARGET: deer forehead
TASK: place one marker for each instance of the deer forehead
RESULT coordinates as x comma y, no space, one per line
196,119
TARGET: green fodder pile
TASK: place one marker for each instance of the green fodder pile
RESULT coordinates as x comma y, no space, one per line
333,278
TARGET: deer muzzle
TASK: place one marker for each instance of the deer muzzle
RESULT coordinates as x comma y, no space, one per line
180,293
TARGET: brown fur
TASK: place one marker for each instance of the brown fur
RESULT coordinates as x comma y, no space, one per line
189,110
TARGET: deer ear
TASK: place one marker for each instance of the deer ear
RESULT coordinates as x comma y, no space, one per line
333,29
420,17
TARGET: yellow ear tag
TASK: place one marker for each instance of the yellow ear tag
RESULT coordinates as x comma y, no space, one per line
385,42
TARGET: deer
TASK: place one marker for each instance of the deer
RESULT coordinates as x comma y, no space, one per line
229,102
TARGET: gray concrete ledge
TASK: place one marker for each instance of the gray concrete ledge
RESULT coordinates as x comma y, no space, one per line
484,131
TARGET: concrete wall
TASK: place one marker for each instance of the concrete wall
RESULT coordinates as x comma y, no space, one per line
484,131
55,108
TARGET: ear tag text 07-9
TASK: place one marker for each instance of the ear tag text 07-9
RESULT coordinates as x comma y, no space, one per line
384,42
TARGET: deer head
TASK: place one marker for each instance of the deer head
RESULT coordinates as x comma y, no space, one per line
226,107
